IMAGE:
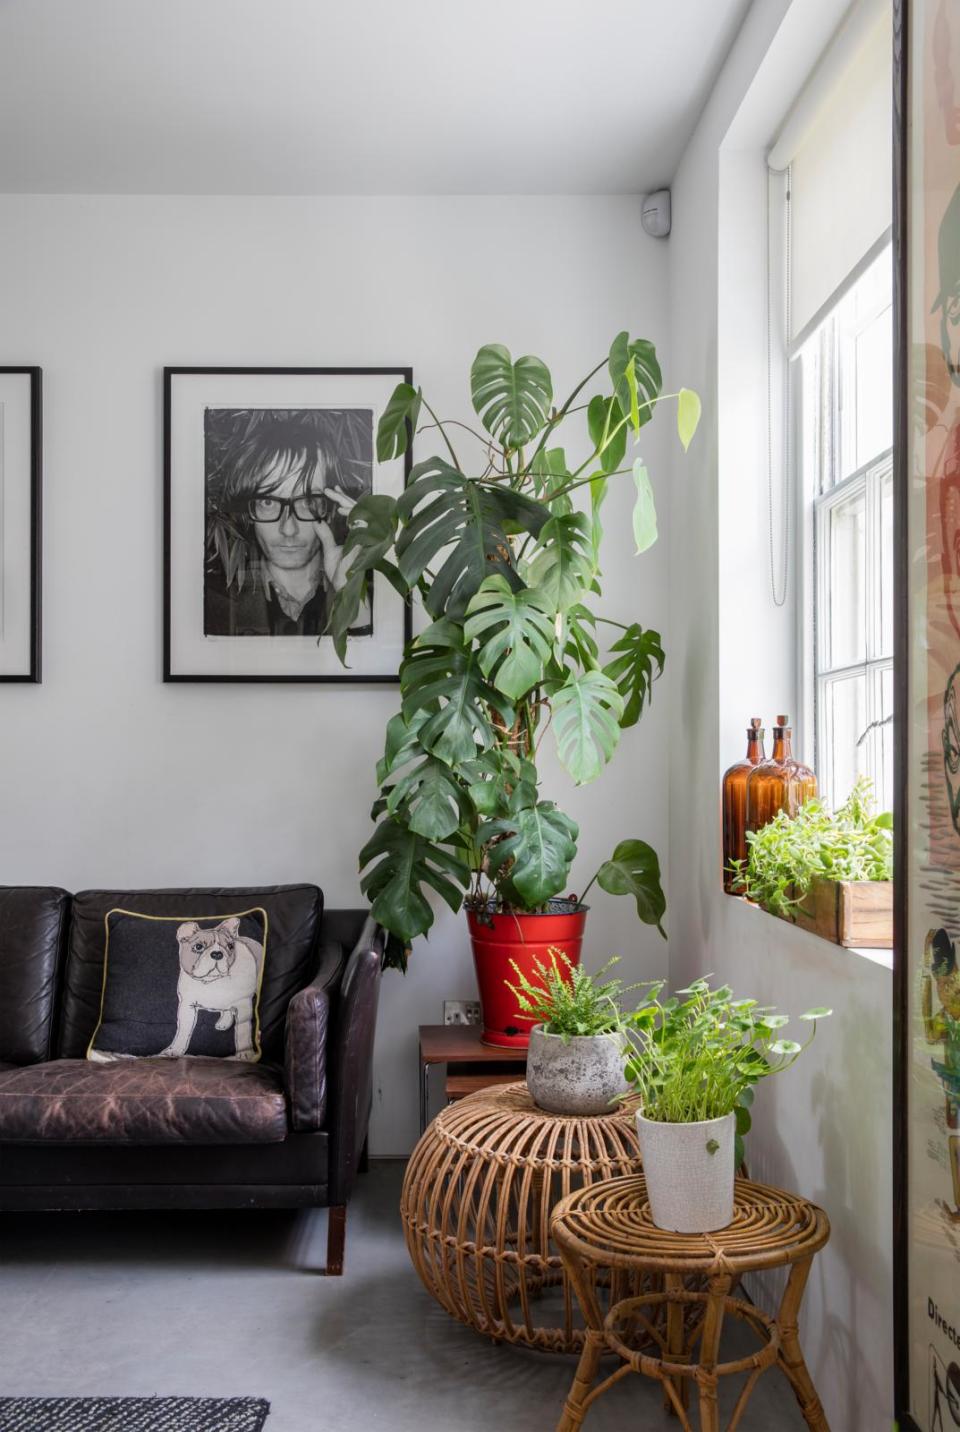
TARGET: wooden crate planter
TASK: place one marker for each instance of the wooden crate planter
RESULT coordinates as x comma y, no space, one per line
850,912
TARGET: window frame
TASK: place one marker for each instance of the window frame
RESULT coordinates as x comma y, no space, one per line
820,446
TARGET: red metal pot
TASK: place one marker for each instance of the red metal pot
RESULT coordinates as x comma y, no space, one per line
498,939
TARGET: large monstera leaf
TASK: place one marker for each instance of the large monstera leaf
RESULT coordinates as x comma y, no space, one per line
586,718
562,569
464,524
443,678
402,864
499,781
401,744
634,656
530,852
608,432
512,400
392,429
580,638
636,377
515,634
370,536
635,870
550,474
430,799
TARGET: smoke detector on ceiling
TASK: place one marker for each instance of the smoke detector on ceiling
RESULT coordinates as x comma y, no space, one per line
655,214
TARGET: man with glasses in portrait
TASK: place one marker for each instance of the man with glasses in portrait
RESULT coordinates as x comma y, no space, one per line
280,486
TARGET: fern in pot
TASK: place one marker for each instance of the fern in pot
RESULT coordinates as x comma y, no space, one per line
575,1054
498,538
694,1060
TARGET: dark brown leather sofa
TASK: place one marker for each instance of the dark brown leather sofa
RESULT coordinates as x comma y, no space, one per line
287,1132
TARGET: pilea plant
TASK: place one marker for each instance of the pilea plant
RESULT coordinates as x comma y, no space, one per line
786,856
698,1054
507,569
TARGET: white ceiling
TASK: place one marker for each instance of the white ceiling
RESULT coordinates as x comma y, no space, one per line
353,96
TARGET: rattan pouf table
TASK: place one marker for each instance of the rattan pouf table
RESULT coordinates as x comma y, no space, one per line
687,1282
476,1203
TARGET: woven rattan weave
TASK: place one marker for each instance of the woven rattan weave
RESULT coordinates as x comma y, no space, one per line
476,1205
693,1276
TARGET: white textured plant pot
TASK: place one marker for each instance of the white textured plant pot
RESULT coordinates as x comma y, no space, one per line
582,1075
689,1170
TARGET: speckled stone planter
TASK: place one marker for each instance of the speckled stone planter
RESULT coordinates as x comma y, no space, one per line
582,1075
689,1170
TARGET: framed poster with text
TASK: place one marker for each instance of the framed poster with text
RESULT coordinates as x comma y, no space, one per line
927,935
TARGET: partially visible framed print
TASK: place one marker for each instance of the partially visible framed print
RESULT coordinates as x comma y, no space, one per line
927,717
20,488
262,467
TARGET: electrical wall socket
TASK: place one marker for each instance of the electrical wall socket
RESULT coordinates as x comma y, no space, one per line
461,1011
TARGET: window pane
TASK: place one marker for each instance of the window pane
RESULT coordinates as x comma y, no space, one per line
844,721
882,753
873,363
846,630
885,504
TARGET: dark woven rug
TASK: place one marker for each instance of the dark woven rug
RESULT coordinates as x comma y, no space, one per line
133,1414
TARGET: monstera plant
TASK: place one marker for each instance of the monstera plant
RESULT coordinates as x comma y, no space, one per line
504,554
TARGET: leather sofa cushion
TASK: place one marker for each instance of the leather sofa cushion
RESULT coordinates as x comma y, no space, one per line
33,926
143,1101
293,913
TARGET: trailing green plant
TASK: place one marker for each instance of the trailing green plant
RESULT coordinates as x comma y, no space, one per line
698,1054
570,1002
507,569
786,856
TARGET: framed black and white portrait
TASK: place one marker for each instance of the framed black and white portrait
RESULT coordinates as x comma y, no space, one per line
261,470
20,487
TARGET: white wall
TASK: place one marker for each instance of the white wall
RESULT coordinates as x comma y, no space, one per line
825,1128
112,778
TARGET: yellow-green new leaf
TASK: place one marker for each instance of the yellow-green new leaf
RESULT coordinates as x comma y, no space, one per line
644,509
688,415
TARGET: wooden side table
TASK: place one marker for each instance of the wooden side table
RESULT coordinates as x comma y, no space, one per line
478,1065
692,1277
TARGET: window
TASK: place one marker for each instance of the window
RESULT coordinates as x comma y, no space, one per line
830,340
844,378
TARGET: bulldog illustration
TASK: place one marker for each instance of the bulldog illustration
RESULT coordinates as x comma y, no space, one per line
219,970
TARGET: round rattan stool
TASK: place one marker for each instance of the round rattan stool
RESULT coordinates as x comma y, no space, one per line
476,1205
609,1225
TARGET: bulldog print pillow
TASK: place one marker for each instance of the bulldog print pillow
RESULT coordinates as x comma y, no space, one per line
181,985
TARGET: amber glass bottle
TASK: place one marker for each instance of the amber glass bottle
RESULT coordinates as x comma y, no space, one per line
782,783
735,801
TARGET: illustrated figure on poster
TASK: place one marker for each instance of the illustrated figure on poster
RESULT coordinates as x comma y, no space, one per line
947,303
940,1006
944,1389
280,484
950,741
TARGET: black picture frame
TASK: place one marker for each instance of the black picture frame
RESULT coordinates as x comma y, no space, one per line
33,673
401,374
926,1141
901,717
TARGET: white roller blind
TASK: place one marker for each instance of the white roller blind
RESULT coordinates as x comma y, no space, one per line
839,146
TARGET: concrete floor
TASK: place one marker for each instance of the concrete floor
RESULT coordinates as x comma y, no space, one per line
221,1304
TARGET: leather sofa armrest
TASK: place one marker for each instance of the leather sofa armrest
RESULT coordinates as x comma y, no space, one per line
305,1042
351,1066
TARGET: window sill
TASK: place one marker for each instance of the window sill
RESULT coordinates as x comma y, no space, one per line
878,955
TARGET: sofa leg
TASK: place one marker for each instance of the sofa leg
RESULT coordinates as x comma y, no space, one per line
336,1238
364,1164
